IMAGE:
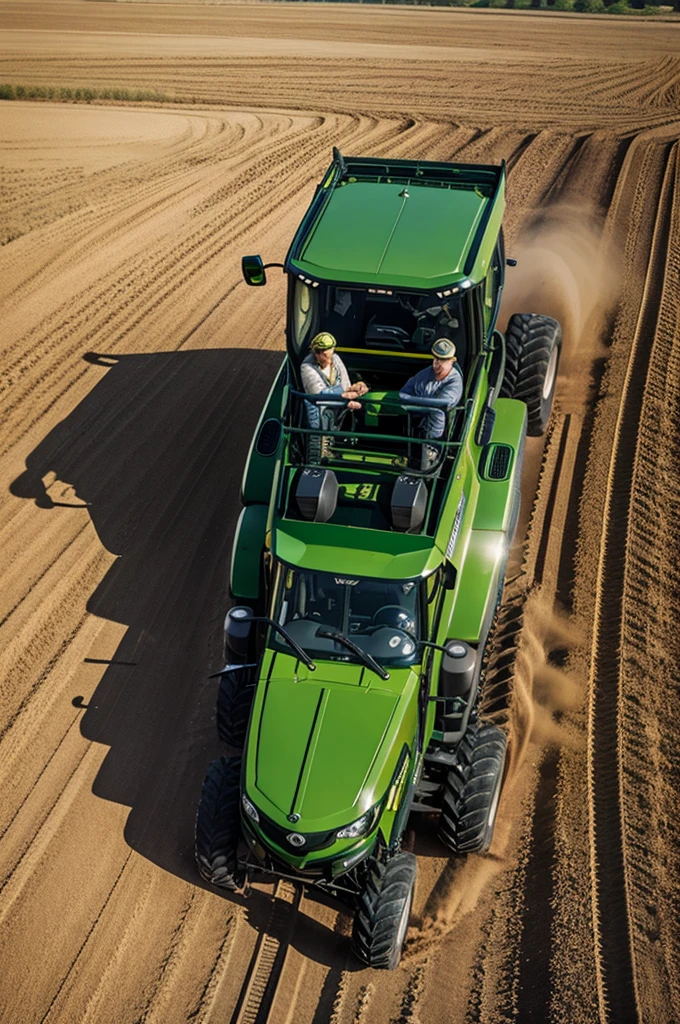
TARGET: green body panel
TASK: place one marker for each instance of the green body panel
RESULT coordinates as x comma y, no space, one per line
359,552
401,224
483,538
325,744
477,584
247,552
259,472
494,511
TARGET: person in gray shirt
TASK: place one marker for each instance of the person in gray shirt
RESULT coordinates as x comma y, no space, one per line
443,379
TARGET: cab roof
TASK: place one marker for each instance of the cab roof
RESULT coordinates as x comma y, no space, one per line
400,224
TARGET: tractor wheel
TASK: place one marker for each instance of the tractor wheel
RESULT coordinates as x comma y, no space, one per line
383,911
234,700
532,356
218,824
472,791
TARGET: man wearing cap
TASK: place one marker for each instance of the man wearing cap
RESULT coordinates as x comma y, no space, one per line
443,379
323,373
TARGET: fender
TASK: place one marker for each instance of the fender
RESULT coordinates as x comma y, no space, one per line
264,453
246,554
483,569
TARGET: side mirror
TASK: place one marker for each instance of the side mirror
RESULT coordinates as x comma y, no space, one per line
510,262
253,270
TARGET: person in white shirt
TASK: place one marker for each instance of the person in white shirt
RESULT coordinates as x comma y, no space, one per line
324,373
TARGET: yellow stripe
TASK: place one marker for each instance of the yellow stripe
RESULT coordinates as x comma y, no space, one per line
385,352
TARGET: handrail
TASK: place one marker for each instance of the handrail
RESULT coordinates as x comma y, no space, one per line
435,442
400,403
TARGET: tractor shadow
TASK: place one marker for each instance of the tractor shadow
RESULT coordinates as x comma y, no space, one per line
153,455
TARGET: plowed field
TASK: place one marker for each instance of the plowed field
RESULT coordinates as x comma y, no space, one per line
134,364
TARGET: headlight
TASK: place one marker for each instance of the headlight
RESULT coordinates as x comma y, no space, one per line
358,828
250,808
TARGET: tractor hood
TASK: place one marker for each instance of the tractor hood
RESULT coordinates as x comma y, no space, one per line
326,750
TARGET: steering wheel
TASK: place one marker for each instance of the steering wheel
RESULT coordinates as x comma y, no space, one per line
396,616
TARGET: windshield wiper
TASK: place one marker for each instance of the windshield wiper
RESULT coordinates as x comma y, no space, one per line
301,653
340,638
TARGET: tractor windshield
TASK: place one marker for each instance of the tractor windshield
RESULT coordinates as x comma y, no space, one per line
395,321
382,617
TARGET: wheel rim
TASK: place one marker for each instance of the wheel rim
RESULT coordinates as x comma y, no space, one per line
549,382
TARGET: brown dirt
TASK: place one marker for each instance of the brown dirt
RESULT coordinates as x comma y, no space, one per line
134,364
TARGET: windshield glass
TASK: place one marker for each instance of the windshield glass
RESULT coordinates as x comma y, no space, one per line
380,616
359,317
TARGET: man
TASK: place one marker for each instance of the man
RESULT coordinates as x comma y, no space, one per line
323,373
443,380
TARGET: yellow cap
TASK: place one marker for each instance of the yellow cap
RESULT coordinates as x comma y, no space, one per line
323,341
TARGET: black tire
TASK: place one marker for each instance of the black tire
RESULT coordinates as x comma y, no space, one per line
383,910
218,824
532,354
234,700
472,791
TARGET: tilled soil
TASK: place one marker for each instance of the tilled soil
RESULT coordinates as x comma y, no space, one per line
135,362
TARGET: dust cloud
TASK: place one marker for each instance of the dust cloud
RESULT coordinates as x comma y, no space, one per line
542,693
566,268
542,690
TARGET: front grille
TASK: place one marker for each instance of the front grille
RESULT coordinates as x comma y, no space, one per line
313,840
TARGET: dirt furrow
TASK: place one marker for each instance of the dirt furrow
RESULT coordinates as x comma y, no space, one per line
618,994
648,628
267,965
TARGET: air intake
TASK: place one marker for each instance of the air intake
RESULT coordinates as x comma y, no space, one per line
497,460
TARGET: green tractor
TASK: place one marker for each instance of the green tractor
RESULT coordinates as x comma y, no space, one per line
369,557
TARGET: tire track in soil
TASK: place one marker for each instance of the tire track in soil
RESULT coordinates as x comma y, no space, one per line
615,960
558,559
266,967
545,548
649,624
